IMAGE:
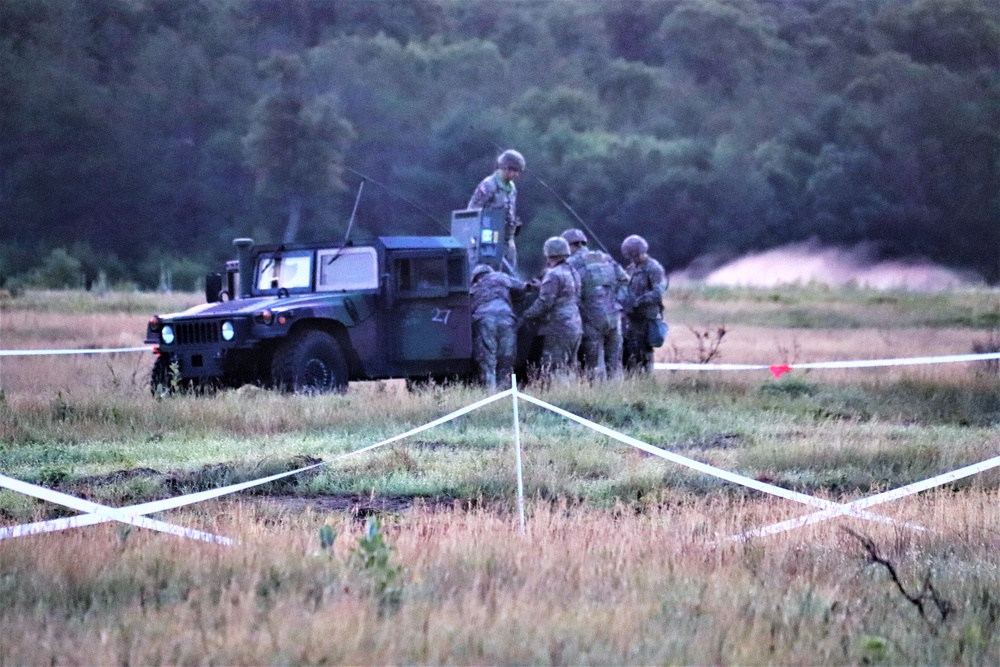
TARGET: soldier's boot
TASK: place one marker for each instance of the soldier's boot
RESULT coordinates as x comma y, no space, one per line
613,359
487,374
505,367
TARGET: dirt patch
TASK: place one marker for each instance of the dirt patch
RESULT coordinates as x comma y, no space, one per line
713,441
225,474
213,476
433,444
116,477
360,505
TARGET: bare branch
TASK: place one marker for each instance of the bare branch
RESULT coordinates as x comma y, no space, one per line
927,594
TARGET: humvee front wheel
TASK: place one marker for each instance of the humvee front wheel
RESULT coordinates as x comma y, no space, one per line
310,361
160,379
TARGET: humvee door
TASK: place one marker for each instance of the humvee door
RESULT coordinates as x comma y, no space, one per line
430,319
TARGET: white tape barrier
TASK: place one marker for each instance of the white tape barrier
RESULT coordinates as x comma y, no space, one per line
662,366
437,422
134,510
871,501
134,514
690,366
907,361
106,513
35,353
860,363
718,472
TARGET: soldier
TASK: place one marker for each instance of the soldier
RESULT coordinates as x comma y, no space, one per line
603,283
643,303
494,328
498,191
558,308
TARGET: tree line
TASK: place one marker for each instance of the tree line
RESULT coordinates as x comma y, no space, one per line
138,136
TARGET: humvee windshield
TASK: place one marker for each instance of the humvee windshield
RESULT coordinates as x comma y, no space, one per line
337,270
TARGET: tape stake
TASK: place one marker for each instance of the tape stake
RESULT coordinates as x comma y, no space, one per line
135,515
517,453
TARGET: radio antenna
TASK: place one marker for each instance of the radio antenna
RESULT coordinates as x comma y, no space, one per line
400,197
566,205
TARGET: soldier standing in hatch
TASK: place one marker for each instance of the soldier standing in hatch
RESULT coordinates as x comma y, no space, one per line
499,191
643,303
494,327
558,308
603,283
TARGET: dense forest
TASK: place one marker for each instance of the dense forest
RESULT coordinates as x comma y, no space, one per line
141,136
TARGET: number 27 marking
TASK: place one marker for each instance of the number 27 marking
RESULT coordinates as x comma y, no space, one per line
441,316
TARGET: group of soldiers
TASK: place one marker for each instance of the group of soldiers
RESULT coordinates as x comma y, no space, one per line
589,310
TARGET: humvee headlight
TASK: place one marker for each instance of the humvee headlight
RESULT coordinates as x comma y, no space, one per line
228,332
167,334
267,317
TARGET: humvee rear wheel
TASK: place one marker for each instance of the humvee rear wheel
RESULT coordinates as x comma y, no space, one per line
310,361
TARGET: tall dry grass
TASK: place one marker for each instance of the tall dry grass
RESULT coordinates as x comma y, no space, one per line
625,560
583,586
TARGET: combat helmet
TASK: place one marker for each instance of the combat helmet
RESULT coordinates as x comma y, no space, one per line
574,236
480,270
511,158
634,246
556,247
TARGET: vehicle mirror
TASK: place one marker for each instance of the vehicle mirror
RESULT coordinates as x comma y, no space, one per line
213,287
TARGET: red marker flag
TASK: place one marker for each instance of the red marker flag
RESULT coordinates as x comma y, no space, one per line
777,370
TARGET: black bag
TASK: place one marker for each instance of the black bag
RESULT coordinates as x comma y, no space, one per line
656,332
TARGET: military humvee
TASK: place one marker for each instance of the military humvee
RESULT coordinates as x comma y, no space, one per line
313,317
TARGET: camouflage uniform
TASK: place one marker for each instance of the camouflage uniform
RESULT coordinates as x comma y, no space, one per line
495,192
558,307
494,328
644,302
602,285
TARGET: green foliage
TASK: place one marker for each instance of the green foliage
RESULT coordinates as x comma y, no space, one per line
373,558
59,270
960,34
327,536
52,475
874,650
134,128
295,144
175,375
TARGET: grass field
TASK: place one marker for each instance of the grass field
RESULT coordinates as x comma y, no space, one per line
412,553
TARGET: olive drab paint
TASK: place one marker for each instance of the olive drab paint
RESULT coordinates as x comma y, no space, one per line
313,317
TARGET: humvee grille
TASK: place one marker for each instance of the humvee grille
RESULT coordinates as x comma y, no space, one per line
196,333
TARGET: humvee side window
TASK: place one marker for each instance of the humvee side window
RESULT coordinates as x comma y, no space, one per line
284,270
347,269
422,275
